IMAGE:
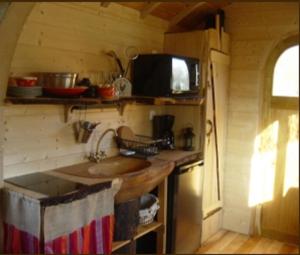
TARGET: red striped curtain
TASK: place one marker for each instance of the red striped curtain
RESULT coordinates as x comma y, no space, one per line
94,238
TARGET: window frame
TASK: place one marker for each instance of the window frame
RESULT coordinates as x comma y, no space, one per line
274,73
280,102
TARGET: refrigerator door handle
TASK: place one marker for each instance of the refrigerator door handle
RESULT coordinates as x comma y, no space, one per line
184,171
189,167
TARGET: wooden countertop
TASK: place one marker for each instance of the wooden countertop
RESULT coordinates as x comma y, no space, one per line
179,157
176,157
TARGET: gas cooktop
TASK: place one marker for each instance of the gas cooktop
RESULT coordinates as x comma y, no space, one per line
45,184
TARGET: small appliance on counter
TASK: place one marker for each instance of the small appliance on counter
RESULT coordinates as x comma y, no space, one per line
162,129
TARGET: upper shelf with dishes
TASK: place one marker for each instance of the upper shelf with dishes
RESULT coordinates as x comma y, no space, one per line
157,79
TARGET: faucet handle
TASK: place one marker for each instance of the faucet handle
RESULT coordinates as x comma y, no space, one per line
92,156
97,157
102,155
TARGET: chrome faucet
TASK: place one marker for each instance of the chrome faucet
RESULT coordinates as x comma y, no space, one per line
100,155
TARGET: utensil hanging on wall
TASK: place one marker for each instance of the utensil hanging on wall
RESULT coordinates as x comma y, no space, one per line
112,54
83,128
131,53
122,84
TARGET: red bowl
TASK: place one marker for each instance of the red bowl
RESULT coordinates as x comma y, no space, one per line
26,81
64,92
107,92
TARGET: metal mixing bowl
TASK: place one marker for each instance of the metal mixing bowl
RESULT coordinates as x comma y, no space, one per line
57,80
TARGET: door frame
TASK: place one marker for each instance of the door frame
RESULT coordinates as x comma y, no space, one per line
267,100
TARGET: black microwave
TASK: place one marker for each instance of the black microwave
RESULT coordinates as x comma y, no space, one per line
165,75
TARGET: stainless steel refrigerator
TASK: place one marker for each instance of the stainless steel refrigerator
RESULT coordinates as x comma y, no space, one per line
184,217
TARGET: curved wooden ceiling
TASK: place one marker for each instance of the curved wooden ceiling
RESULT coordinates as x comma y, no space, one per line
181,15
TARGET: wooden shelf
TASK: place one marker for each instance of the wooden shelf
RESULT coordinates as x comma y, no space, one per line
96,103
141,231
145,229
52,100
70,104
119,244
162,101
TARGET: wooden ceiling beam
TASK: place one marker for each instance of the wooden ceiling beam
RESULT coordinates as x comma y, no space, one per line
148,8
181,15
104,4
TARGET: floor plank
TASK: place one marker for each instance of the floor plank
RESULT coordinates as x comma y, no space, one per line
262,246
227,242
248,246
219,246
274,248
235,244
295,251
286,249
212,241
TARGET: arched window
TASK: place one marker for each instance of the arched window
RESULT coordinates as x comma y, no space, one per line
286,74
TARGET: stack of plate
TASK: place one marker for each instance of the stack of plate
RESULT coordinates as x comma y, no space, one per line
33,91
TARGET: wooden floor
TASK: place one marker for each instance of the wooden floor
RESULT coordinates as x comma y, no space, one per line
225,242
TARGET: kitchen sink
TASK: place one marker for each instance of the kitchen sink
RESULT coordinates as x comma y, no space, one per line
117,166
138,176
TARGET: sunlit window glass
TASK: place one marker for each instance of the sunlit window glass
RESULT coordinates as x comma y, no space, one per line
286,74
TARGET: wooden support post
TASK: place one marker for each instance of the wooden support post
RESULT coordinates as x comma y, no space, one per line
162,217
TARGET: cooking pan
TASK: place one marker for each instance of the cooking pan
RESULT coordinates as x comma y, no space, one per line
57,80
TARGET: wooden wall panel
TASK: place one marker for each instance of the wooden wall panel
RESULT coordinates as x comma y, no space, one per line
254,28
1,143
72,37
39,141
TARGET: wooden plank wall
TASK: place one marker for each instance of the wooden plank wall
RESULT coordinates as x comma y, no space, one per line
255,28
72,37
1,176
37,139
11,23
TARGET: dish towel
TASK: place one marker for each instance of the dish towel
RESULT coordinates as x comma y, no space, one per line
78,225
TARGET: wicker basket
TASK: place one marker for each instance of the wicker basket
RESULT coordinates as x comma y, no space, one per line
149,205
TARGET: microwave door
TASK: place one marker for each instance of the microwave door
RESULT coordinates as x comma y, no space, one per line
180,81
